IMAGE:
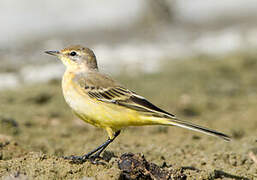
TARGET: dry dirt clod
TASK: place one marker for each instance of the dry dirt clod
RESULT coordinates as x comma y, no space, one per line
135,166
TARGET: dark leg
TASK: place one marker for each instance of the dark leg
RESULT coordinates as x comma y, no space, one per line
97,151
97,154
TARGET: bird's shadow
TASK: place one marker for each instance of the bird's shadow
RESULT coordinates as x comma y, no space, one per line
217,174
222,174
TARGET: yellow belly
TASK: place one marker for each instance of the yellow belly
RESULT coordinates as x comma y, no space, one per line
102,114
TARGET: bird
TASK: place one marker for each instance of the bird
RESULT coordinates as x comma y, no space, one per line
103,102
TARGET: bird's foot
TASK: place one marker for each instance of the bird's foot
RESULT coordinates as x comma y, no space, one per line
81,159
94,157
76,159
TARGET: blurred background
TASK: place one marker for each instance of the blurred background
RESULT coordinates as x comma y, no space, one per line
196,59
125,35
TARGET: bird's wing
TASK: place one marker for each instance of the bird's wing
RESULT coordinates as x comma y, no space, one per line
102,88
124,97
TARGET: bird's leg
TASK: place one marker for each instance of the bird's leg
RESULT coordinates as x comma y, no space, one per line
104,145
97,151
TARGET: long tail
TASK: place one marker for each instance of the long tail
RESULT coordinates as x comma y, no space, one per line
180,123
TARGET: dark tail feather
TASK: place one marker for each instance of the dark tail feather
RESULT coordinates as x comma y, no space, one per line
180,123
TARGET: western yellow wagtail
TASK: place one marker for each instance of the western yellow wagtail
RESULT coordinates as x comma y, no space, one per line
99,100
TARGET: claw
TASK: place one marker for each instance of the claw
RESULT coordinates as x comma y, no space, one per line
96,160
94,157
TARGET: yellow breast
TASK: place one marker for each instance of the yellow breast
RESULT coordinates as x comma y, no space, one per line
75,98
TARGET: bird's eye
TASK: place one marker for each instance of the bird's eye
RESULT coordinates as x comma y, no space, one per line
73,53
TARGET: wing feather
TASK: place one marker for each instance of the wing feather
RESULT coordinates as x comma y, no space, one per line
143,102
124,97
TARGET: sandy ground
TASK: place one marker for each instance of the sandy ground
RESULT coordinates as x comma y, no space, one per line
37,127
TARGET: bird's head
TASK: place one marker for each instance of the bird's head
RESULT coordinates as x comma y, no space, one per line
76,57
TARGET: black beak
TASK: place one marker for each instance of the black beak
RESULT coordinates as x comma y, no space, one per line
54,53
